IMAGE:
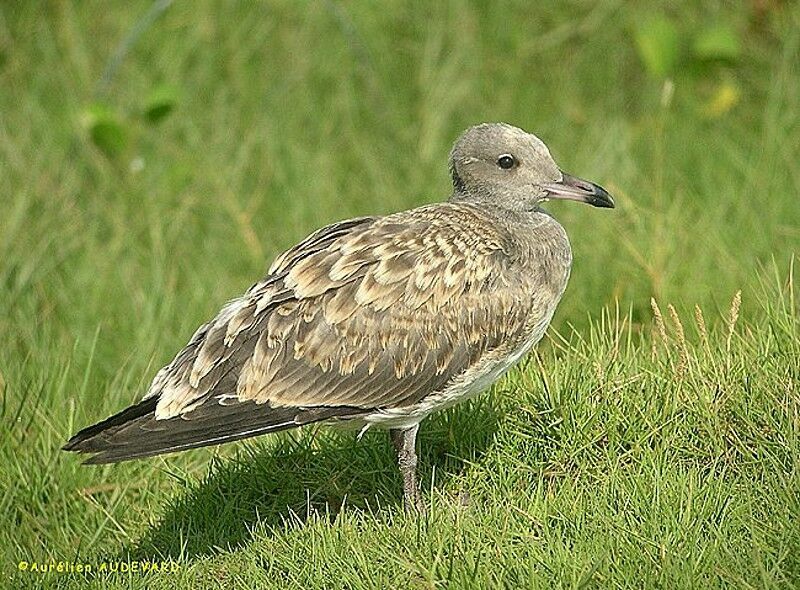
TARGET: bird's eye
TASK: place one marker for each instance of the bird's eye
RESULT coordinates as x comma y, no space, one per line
506,161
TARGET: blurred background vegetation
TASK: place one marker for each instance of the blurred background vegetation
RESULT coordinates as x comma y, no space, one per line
178,150
155,156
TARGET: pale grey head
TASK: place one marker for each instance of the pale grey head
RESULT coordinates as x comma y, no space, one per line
513,169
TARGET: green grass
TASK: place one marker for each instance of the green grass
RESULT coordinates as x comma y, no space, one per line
637,448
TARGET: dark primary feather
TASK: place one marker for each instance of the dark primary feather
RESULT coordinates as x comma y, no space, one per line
135,433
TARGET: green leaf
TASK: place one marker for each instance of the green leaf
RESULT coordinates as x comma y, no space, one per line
658,44
160,103
105,128
717,42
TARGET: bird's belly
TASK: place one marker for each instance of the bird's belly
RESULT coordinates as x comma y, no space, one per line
473,381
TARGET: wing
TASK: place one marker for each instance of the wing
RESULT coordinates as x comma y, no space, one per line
381,315
363,315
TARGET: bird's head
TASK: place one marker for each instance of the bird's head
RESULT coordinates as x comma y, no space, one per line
514,169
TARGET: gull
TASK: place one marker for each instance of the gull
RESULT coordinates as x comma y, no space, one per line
375,322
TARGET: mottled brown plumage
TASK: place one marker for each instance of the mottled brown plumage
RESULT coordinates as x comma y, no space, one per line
374,320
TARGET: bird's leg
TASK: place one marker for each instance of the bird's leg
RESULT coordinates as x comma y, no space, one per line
405,442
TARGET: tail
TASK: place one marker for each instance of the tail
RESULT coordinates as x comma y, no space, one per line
135,432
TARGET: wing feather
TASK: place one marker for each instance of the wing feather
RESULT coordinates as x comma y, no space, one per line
367,314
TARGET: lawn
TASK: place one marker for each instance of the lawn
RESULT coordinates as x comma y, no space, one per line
155,157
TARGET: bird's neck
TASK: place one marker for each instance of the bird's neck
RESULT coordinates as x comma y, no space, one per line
501,205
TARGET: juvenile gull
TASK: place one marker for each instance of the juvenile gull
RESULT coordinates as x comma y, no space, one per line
376,321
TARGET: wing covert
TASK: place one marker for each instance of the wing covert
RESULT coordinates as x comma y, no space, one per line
367,313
